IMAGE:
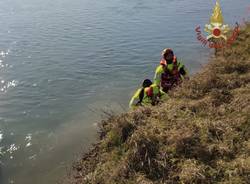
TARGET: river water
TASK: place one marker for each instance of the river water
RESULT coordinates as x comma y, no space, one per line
64,62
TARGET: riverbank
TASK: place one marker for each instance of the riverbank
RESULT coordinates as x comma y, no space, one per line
200,135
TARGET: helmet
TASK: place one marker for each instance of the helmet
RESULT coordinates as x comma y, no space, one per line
146,83
167,51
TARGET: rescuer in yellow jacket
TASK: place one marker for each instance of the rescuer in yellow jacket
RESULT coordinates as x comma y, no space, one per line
148,94
170,72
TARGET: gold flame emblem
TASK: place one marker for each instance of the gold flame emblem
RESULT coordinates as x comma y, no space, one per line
216,28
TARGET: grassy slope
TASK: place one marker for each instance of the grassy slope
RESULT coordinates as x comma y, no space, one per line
200,135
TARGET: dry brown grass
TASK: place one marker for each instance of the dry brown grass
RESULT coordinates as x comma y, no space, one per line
200,135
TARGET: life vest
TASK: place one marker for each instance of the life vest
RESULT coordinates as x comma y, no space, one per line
170,78
149,95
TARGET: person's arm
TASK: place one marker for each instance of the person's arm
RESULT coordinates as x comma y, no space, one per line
135,99
158,73
163,96
183,70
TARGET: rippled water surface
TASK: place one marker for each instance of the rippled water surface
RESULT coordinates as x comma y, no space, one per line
63,62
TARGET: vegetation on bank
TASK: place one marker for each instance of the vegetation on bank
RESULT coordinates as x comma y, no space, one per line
200,135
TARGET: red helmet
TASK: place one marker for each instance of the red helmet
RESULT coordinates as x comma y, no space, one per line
164,53
167,51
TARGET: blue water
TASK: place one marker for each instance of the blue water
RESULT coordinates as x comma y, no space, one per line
64,62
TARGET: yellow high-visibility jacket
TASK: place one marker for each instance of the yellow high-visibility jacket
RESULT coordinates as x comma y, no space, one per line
141,96
160,70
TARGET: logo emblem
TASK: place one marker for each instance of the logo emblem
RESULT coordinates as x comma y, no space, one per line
216,29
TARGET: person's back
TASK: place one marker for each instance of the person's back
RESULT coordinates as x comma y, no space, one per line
148,94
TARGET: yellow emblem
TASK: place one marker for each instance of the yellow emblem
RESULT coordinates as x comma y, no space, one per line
216,28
